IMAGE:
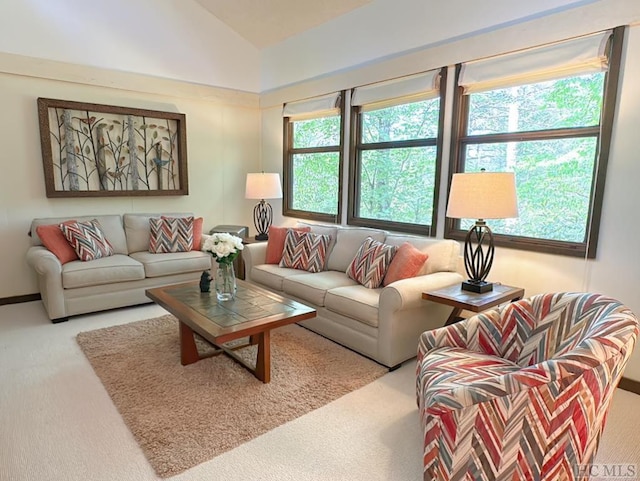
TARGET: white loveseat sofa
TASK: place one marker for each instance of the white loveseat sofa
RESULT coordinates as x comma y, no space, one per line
119,280
384,323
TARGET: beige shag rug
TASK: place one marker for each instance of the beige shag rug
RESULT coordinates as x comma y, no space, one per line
185,415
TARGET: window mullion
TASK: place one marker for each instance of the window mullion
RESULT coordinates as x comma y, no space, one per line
398,144
314,150
567,133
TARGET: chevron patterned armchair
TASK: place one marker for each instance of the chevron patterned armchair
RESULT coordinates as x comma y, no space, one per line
522,392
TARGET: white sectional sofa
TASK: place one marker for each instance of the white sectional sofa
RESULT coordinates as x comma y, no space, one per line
383,323
119,280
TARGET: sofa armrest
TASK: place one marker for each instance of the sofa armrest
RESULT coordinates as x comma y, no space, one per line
44,261
407,293
49,271
403,315
253,255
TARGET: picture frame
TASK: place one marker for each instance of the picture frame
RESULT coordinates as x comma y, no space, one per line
94,150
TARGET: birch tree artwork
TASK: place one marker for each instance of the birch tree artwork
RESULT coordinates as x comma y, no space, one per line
99,150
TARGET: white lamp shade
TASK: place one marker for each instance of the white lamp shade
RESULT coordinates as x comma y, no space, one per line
483,195
263,186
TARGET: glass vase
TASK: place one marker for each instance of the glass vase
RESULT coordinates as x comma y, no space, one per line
225,282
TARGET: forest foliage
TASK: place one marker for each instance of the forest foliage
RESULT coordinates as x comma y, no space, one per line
396,183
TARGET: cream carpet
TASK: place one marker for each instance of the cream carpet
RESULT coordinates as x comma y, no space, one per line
57,422
184,415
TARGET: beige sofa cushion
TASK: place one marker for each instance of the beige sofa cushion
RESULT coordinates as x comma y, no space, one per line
313,287
348,242
136,227
356,302
111,226
106,270
443,253
272,276
170,263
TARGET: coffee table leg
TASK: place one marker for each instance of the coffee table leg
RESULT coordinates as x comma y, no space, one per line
263,362
188,350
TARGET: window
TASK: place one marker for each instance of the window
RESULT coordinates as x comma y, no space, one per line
313,145
395,157
551,125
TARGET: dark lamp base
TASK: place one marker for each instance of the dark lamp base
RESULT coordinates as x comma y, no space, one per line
477,286
262,237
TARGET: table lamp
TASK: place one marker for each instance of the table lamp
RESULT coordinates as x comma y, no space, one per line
263,186
481,195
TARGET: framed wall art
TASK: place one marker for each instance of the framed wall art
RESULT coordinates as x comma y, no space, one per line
92,150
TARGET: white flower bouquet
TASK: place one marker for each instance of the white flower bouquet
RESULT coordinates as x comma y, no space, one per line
224,247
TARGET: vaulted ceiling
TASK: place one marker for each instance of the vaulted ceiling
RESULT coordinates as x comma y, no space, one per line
267,22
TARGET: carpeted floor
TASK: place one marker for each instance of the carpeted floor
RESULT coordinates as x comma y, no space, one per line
182,416
57,422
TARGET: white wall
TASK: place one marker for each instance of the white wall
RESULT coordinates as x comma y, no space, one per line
176,39
223,131
384,28
616,269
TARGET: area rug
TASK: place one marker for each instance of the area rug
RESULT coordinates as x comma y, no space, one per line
182,416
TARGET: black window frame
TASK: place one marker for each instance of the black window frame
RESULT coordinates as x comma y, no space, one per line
356,147
603,133
287,172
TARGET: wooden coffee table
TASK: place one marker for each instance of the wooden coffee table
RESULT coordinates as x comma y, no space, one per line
253,313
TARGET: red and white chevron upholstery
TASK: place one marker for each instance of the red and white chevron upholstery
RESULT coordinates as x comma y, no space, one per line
522,392
371,262
170,234
305,250
87,239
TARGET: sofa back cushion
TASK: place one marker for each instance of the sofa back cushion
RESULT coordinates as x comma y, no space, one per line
348,241
443,253
136,227
111,225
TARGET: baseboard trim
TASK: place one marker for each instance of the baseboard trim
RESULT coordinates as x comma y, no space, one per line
18,299
629,385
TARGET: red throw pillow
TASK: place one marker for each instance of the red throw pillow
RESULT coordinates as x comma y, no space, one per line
53,239
275,244
406,263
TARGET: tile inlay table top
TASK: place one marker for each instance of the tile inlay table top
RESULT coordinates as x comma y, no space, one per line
254,312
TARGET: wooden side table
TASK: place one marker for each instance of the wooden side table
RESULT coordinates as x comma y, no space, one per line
457,298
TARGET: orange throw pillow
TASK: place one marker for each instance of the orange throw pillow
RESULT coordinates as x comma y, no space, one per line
406,263
275,244
197,233
53,239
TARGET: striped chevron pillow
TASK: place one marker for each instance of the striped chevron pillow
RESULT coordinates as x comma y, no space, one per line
170,234
371,262
87,239
305,251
